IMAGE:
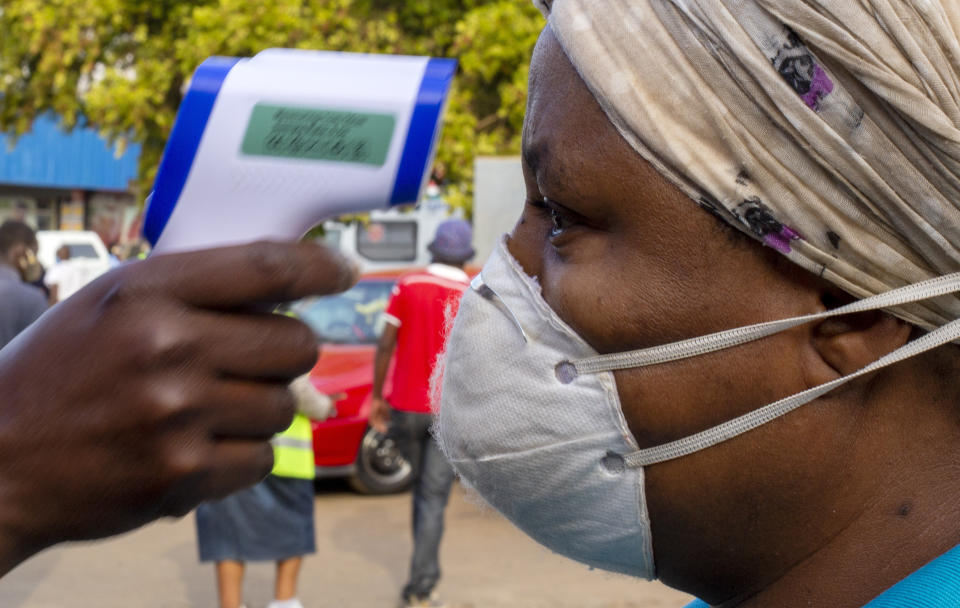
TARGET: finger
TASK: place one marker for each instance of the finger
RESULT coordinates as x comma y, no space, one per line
248,410
259,272
229,466
258,346
238,464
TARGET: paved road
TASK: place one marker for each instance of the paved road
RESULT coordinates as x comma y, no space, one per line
362,550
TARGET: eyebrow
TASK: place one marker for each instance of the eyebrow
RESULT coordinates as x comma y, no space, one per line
547,168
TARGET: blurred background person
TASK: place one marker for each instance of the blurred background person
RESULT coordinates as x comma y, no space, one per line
64,278
116,255
273,520
22,304
416,321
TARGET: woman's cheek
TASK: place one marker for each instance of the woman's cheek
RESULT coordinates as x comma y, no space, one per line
579,294
526,242
584,287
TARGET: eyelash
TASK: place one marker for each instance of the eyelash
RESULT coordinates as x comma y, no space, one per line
559,221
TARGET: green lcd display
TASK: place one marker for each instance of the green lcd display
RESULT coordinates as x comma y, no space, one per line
319,134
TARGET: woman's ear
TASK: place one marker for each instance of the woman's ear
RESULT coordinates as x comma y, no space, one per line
851,342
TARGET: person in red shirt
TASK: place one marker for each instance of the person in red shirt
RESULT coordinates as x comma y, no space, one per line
414,334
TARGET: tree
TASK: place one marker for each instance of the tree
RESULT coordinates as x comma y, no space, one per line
121,65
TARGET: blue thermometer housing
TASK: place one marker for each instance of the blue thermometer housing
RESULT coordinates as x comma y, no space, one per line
268,147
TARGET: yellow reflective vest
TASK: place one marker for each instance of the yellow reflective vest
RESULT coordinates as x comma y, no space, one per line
293,450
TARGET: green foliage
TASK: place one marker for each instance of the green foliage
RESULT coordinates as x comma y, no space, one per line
122,65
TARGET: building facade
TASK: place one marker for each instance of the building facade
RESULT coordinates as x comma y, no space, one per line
57,180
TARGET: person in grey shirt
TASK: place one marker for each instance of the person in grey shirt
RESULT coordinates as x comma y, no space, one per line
22,304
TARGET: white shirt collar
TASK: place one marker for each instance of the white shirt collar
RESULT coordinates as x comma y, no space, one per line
445,271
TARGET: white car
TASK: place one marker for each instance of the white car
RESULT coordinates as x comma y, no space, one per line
87,252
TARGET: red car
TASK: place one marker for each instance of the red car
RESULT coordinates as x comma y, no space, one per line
349,326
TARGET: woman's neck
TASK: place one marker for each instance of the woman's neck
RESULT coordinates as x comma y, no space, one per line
914,520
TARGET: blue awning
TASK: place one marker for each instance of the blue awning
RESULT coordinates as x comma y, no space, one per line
47,157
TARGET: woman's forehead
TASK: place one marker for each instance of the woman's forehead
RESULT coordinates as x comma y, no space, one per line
564,125
557,95
569,143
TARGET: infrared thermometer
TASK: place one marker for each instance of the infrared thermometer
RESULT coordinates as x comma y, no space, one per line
267,147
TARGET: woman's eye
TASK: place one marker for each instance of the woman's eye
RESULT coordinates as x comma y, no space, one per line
560,219
558,223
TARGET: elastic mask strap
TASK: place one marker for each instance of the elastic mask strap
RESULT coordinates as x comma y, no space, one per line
720,433
567,371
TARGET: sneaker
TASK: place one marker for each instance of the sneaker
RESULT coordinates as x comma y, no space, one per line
294,603
422,601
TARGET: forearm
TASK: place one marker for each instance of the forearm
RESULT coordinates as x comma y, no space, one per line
381,364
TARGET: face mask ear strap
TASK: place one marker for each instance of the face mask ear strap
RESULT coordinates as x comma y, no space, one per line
701,345
730,429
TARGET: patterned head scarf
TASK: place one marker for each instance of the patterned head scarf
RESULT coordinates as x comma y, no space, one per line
827,129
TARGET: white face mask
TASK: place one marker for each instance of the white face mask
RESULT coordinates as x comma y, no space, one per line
531,419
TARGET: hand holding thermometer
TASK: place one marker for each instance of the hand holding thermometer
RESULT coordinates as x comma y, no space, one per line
268,147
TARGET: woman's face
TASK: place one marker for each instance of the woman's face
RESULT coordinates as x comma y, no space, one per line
629,262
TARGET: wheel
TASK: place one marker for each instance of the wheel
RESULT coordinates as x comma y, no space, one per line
380,468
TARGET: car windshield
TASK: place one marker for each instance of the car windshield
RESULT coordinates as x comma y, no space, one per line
351,317
82,250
